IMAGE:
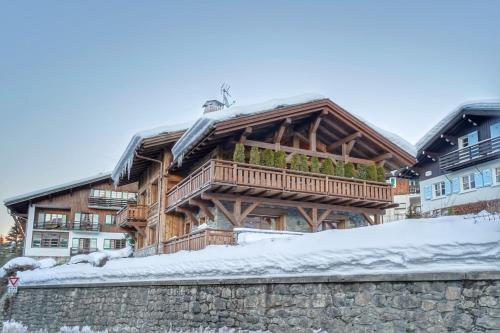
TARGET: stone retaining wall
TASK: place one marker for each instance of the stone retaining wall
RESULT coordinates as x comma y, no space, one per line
444,302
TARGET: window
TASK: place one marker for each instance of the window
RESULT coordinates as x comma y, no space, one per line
114,244
96,193
50,239
463,142
51,219
110,219
468,182
497,175
439,189
86,217
84,243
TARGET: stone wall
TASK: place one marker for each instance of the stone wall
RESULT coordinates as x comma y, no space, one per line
445,302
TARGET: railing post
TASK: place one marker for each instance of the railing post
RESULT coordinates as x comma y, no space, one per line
327,185
364,190
235,173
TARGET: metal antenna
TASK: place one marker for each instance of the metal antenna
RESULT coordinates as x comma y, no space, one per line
225,94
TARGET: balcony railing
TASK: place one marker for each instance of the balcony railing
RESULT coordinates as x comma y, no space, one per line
199,240
52,225
82,250
484,150
109,203
86,226
218,172
131,212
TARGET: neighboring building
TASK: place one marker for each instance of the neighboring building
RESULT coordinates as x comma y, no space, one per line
74,218
406,195
192,193
458,161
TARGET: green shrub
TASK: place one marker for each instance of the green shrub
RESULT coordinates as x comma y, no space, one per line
267,158
254,155
303,163
280,159
239,153
362,172
314,164
295,162
340,169
327,167
372,173
349,170
380,174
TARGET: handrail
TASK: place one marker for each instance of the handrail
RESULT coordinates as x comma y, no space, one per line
481,149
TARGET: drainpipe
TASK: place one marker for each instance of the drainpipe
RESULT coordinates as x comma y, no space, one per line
160,186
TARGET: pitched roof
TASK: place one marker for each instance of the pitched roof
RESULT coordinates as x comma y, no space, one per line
55,189
449,118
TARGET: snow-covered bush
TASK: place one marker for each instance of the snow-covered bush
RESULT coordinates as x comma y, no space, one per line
99,259
46,263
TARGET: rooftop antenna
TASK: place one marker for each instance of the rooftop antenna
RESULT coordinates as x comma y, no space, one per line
224,90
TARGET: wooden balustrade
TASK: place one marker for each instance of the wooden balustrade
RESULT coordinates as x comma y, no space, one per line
131,212
199,240
254,176
483,150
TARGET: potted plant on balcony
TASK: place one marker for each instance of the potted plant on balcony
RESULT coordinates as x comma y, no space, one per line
254,156
239,153
280,159
327,167
267,158
314,164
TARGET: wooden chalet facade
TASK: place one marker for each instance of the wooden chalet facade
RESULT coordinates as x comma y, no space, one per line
187,181
75,218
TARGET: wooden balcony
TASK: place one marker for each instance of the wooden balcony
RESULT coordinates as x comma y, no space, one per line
199,240
481,152
264,182
108,203
86,226
130,214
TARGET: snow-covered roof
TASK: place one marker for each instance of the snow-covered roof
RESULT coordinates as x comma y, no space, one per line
436,130
54,189
203,125
125,162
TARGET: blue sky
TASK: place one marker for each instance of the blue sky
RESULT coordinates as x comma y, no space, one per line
78,78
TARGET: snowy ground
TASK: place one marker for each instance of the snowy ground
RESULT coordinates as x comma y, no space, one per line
425,245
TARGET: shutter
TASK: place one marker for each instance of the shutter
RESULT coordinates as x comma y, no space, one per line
495,130
487,181
455,182
447,187
472,138
428,192
478,179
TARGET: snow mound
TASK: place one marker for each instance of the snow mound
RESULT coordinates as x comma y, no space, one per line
99,259
21,262
449,243
46,263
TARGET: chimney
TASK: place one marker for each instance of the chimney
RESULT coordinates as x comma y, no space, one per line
212,105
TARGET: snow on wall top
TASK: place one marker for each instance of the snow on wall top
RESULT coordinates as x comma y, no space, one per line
57,188
125,162
477,105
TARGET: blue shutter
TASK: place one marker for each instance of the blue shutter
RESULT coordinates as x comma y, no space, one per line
487,181
455,182
478,179
428,192
447,187
495,130
472,138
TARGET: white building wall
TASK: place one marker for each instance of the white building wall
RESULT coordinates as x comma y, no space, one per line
463,197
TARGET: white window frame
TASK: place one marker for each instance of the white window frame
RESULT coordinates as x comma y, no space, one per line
496,181
461,141
442,189
470,181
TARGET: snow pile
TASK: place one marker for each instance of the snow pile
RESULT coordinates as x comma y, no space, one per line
449,243
437,129
99,259
246,236
46,263
13,327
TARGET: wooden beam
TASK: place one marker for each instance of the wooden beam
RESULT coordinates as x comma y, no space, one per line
287,203
320,146
313,128
224,211
189,213
348,138
306,216
203,207
307,152
382,157
247,211
245,133
449,138
368,218
279,134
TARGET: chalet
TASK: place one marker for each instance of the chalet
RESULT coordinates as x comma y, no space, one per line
298,164
458,161
73,218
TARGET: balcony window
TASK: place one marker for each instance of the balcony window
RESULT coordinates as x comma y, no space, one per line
50,240
468,182
110,219
86,217
439,189
51,220
114,244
